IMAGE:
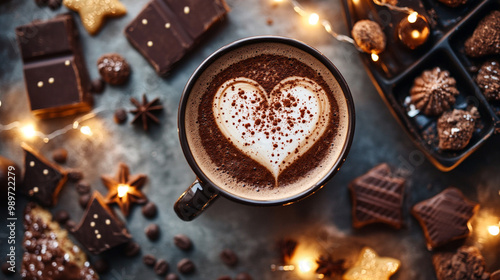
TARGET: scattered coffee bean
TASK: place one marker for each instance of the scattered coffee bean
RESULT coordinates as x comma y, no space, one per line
120,116
132,249
225,277
84,200
83,187
228,257
183,242
243,276
152,232
161,267
70,224
172,276
54,4
5,269
101,266
97,86
185,266
61,216
75,175
60,155
41,2
149,210
149,260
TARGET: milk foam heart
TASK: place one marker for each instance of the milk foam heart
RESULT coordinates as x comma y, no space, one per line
274,128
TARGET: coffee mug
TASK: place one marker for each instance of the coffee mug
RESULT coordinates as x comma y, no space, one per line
263,121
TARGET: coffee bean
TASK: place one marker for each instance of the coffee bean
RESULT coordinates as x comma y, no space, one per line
82,187
161,267
61,216
225,277
70,224
60,155
149,210
75,175
185,266
97,86
149,260
172,276
132,249
228,257
183,242
84,200
120,116
5,269
101,266
41,2
243,276
152,232
54,4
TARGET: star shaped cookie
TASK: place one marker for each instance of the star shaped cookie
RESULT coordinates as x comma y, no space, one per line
124,189
93,12
370,266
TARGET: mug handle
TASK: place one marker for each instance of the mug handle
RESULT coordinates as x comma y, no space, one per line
195,200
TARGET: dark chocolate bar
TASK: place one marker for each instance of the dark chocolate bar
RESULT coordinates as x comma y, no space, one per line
56,78
165,30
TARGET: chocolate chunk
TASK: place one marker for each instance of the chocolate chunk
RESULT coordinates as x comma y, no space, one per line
243,276
114,69
6,166
132,249
186,266
228,257
286,248
149,210
183,242
149,260
369,36
453,3
100,229
224,277
84,200
434,92
60,155
485,39
83,187
120,116
101,266
330,268
97,86
75,175
61,216
55,74
42,180
488,79
445,216
7,269
161,267
152,231
175,25
465,263
377,197
172,276
455,128
48,252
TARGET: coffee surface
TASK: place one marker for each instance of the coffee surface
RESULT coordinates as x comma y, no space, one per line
265,125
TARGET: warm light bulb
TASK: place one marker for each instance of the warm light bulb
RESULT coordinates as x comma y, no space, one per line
277,1
305,265
412,18
494,230
28,131
122,190
374,57
313,19
415,34
355,2
86,130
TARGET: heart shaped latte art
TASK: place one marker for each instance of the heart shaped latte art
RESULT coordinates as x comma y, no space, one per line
274,128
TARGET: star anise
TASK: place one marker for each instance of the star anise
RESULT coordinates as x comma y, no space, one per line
328,267
145,110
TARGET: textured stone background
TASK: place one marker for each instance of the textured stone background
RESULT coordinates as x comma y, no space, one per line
250,231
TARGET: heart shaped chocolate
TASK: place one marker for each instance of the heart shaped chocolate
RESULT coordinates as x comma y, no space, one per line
275,128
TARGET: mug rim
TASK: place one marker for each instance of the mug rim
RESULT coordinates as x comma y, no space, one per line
181,127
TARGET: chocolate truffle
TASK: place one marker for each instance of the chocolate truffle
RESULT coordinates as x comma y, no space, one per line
488,79
434,92
369,36
453,3
114,69
466,263
485,39
455,128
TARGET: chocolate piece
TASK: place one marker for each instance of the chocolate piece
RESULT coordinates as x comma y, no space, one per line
228,257
101,266
61,216
84,200
60,155
100,229
488,79
114,69
97,86
173,25
434,92
7,269
152,231
286,248
225,277
369,36
453,3
485,39
186,266
144,112
6,166
75,175
243,276
83,187
444,217
94,12
42,180
149,260
55,74
120,116
330,268
161,267
149,210
48,252
465,263
172,276
377,197
132,249
183,242
455,128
